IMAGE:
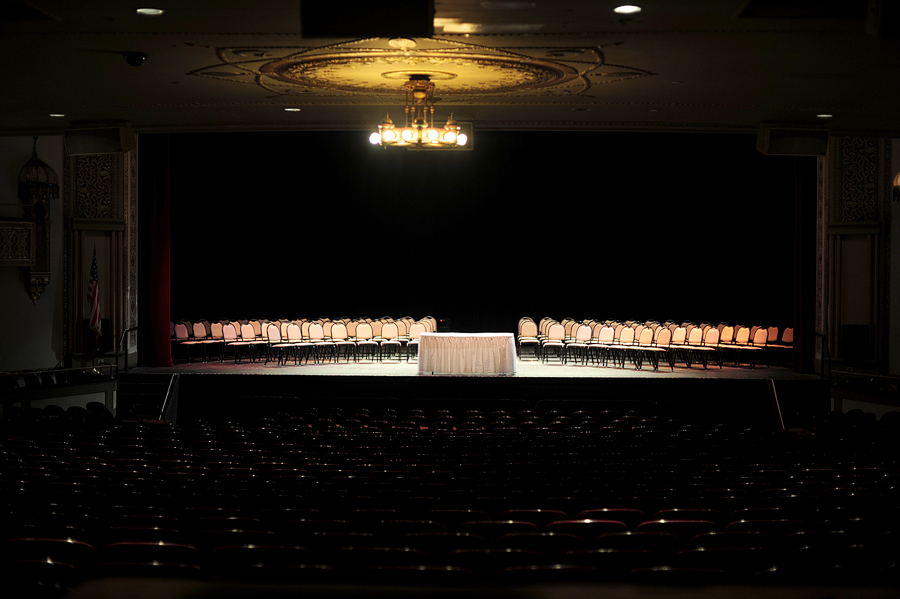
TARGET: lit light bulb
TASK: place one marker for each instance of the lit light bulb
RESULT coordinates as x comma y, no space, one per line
389,135
462,139
375,138
431,135
450,137
408,135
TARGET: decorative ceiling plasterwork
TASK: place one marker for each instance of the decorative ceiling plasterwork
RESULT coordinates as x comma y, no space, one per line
373,70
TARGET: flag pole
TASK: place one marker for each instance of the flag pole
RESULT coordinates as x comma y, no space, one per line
94,299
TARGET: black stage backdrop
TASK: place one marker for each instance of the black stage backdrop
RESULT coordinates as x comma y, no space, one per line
581,224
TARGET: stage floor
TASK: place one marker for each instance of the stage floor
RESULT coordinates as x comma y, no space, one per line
525,369
751,395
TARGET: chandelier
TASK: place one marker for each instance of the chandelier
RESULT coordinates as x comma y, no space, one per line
419,132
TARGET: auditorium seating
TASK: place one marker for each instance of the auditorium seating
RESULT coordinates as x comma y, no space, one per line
445,495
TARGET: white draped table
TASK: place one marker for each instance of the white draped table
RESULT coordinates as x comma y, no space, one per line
467,353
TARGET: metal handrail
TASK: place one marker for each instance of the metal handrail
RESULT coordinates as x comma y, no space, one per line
84,369
171,395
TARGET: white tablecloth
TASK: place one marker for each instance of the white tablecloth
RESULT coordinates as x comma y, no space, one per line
467,353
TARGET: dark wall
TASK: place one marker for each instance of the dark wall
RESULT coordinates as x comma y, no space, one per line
582,224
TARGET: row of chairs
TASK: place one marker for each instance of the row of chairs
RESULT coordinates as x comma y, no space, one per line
301,340
637,342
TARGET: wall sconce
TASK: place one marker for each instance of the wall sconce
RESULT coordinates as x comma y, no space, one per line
26,241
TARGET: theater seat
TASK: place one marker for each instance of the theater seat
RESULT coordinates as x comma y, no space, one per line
548,544
587,529
684,529
489,561
663,543
419,575
613,561
546,574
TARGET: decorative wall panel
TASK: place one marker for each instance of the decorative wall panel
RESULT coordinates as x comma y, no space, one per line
17,243
853,251
100,205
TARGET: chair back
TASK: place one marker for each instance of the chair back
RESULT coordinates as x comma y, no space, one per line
199,330
229,333
351,328
742,337
556,332
376,328
712,337
788,335
181,332
528,329
273,333
626,337
390,330
664,338
247,332
339,331
294,333
401,328
695,337
583,333
679,335
257,328
606,334
726,334
646,338
364,331
316,331
760,337
216,330
416,329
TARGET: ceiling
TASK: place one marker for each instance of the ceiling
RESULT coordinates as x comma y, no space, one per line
232,65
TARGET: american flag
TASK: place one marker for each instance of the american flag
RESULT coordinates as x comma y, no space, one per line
94,296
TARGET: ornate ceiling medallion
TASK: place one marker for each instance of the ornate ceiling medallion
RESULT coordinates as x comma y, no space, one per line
464,72
368,70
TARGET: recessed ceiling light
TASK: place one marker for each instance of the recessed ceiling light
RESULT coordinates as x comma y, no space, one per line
150,12
56,115
824,116
627,9
292,110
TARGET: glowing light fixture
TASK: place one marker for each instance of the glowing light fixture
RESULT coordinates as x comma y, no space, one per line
627,9
150,12
419,132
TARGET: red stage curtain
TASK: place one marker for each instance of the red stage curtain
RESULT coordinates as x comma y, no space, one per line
154,154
